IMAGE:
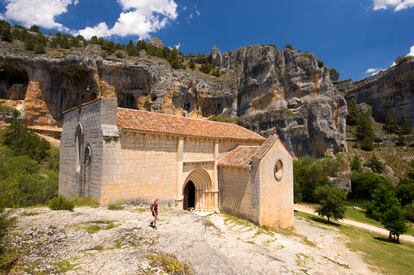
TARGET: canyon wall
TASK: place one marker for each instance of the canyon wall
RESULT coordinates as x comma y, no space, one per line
282,91
389,93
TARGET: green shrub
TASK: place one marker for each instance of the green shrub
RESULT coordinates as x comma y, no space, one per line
22,183
367,144
119,54
334,74
216,72
310,173
85,201
206,67
234,120
23,141
115,206
393,219
376,165
61,203
6,257
332,201
356,164
39,49
290,47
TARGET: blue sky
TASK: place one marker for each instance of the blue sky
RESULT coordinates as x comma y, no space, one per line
350,35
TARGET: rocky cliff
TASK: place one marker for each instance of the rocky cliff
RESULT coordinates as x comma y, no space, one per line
389,93
269,89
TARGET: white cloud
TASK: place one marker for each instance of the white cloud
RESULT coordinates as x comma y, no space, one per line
373,71
397,5
138,17
37,12
411,53
177,46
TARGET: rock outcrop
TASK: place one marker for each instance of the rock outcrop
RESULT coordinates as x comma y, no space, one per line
272,91
389,93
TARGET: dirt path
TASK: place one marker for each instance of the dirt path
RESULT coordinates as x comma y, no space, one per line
67,242
310,210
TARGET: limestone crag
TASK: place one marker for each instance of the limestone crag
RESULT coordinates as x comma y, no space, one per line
271,90
389,93
288,93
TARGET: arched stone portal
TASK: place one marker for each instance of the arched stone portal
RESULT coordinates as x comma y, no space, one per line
189,196
205,198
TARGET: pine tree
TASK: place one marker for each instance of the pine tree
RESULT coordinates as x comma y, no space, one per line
353,113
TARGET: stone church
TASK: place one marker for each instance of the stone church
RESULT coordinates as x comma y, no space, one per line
114,155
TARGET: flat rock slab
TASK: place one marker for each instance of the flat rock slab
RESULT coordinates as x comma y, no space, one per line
101,241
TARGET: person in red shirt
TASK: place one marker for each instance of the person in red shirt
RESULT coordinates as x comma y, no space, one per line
154,210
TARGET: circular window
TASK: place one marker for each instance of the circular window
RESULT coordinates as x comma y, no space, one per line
278,170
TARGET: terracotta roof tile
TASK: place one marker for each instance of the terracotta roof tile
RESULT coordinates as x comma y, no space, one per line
265,147
241,157
162,123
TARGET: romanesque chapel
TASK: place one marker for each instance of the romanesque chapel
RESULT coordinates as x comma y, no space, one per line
118,155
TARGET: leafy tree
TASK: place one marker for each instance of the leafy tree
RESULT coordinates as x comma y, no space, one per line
332,201
334,74
364,183
405,191
383,198
356,164
308,176
364,127
376,165
394,220
353,112
94,40
409,212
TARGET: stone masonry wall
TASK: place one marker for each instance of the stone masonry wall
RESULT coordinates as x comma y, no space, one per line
89,117
238,192
276,197
140,167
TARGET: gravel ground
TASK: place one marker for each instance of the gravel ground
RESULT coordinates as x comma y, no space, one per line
101,241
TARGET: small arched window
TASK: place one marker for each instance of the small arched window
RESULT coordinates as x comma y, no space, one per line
79,146
278,170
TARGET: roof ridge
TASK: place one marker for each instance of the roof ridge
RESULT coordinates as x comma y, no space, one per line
184,117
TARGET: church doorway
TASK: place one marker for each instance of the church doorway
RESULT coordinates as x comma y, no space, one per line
189,196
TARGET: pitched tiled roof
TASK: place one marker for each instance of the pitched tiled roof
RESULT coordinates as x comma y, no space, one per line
265,147
162,123
241,157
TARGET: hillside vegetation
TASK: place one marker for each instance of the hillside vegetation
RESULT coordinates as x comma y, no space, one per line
28,176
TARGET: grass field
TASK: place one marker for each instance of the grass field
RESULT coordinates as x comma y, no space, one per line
384,257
